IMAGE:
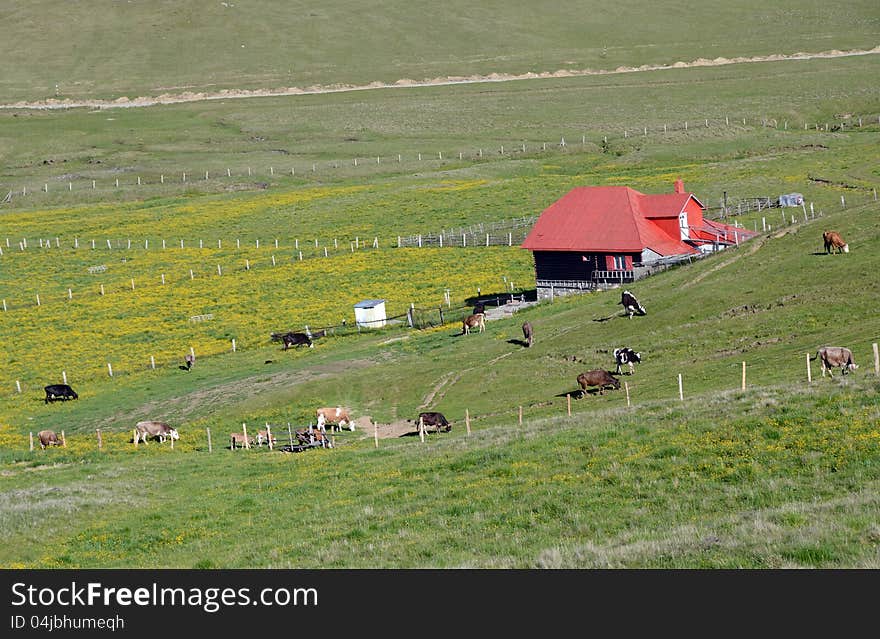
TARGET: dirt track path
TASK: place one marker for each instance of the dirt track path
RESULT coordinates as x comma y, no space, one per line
168,98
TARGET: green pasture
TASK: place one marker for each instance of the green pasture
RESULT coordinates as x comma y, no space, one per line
107,49
609,123
783,473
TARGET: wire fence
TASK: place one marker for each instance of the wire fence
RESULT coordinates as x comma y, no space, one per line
260,178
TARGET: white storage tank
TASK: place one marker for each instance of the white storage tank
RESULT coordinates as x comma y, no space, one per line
370,313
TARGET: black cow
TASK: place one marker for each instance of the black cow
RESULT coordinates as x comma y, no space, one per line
435,420
296,339
59,391
631,304
626,356
479,307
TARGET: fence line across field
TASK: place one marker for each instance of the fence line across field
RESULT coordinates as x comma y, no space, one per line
421,428
499,149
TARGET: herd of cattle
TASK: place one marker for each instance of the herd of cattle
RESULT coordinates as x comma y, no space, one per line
830,357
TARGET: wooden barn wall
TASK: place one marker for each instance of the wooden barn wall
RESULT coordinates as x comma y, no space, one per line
558,265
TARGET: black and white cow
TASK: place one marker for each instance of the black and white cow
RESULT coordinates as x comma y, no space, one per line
626,356
631,304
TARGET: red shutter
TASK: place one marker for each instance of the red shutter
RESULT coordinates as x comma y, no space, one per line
629,263
609,262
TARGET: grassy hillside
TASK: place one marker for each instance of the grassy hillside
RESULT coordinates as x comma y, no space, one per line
783,474
622,120
111,49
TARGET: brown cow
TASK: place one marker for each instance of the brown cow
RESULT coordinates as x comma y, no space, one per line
831,356
48,438
833,241
335,416
160,430
597,377
239,438
473,321
527,333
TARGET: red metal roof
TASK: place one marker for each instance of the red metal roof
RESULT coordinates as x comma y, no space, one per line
608,219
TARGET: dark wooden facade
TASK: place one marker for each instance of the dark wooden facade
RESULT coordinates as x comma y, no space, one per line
570,265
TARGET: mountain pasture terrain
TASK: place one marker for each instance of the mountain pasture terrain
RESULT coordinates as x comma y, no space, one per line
754,461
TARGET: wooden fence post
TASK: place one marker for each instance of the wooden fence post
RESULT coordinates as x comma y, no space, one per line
376,434
680,389
247,444
210,449
289,435
520,415
269,435
876,360
568,400
32,440
422,429
809,372
100,441
134,437
744,377
467,420
626,387
63,440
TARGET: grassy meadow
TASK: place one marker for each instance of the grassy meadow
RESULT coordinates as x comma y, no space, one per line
782,474
107,49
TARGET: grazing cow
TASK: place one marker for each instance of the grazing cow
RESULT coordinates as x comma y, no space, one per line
263,438
160,430
473,321
335,416
190,359
313,437
239,439
296,339
626,356
631,304
597,377
833,241
527,333
59,391
436,421
831,356
48,438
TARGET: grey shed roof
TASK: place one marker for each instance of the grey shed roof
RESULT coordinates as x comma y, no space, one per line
369,303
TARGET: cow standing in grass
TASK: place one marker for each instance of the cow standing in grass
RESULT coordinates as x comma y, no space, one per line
48,438
528,334
832,240
473,321
833,356
631,305
149,429
598,377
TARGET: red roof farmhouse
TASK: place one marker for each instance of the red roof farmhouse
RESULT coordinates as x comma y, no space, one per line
599,235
